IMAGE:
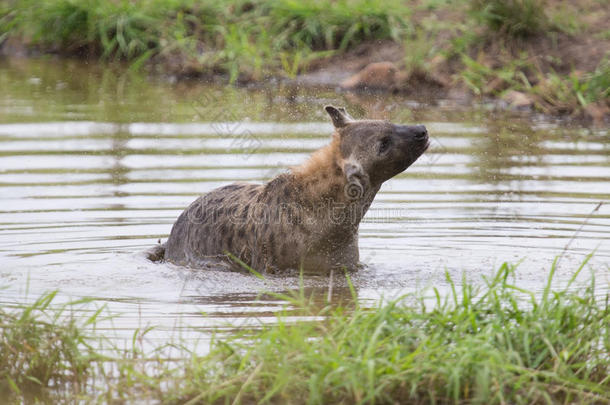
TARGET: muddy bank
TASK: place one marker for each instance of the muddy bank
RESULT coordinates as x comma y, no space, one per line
378,67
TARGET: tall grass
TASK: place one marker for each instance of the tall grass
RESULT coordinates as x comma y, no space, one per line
235,36
489,343
481,345
327,24
120,29
42,347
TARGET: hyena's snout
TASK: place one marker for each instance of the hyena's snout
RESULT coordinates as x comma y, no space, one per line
415,136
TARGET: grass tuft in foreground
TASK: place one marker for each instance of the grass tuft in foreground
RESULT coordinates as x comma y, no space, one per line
40,348
489,344
497,344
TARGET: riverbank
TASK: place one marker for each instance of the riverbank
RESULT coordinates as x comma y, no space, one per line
551,57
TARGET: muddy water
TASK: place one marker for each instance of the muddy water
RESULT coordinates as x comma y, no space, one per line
96,164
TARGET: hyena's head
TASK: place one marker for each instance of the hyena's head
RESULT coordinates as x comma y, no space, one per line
374,151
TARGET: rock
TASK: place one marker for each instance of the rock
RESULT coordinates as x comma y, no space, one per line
597,112
518,99
379,75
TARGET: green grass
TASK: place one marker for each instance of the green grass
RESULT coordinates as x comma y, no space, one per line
572,94
483,80
40,348
419,49
595,86
474,42
517,18
111,29
236,37
552,93
488,343
480,345
326,24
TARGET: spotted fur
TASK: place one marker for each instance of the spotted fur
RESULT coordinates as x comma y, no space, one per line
307,218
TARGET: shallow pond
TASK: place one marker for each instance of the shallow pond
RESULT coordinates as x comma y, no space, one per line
96,164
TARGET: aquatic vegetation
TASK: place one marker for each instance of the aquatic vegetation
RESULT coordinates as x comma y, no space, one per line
486,343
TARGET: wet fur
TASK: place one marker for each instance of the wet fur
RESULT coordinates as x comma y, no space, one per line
300,219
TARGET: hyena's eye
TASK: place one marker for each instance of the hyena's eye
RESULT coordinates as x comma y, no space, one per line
384,144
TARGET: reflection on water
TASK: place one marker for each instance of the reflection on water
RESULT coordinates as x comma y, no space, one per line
96,164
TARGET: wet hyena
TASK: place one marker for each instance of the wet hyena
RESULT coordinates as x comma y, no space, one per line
307,218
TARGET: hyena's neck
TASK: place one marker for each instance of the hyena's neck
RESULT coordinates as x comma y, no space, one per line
325,188
321,177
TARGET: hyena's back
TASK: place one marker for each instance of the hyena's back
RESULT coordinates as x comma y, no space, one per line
213,225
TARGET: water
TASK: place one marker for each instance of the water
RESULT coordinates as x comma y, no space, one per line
96,163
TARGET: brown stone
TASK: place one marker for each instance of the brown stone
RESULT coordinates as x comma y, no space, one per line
379,75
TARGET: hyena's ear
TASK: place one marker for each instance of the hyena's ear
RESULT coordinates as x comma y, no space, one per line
357,181
339,116
345,113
